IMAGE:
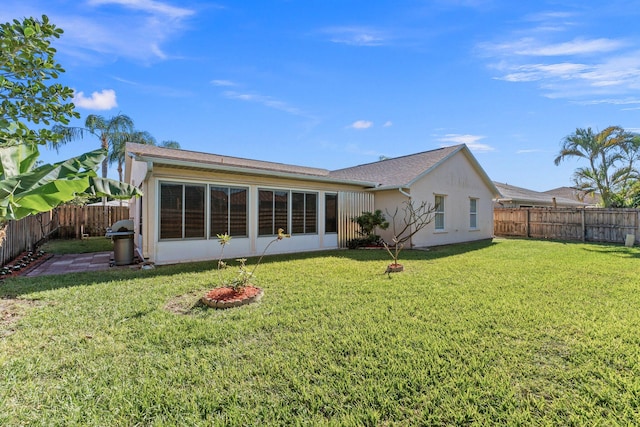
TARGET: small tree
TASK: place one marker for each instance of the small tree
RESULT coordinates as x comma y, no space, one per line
244,275
414,219
368,223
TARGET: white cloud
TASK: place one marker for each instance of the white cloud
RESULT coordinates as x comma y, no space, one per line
574,47
612,101
566,65
470,140
222,83
361,124
267,101
134,29
533,72
148,6
530,46
480,148
388,123
529,151
356,36
103,100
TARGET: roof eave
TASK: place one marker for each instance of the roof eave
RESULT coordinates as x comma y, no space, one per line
249,171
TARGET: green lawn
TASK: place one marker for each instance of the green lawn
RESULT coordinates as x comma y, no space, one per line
78,246
513,332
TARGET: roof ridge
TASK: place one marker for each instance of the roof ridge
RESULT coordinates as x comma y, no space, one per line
451,147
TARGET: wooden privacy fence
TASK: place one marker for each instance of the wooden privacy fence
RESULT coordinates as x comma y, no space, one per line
63,222
74,221
590,225
25,234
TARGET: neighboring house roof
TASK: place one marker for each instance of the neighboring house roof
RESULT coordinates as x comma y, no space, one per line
592,199
111,203
519,195
389,173
404,171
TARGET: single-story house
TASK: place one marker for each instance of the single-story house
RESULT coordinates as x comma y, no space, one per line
518,197
592,200
191,197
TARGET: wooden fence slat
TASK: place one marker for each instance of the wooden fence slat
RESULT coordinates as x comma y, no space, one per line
25,234
92,220
594,225
65,221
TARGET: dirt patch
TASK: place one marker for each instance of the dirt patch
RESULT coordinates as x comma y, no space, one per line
185,303
12,310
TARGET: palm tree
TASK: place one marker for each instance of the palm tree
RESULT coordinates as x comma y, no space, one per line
169,144
611,154
118,151
109,131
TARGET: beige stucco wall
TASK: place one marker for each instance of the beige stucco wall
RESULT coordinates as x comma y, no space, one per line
173,251
387,201
458,181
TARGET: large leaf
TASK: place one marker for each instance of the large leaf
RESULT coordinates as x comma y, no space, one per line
25,191
17,159
111,188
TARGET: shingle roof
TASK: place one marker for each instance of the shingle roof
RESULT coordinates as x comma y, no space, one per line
513,193
575,194
389,173
215,159
398,171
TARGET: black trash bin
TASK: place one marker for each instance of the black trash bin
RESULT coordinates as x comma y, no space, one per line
121,233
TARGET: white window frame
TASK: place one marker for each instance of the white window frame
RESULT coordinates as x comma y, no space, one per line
439,215
473,213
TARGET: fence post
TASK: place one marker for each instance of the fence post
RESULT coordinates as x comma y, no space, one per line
528,219
584,227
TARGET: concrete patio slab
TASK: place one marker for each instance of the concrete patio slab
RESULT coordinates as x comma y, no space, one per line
73,263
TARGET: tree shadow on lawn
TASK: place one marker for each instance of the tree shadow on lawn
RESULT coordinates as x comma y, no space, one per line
432,252
21,285
14,287
613,250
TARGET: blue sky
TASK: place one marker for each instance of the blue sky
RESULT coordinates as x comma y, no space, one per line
333,84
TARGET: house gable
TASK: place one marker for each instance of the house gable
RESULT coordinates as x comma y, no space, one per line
457,183
189,187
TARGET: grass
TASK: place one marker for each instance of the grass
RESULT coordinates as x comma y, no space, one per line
513,332
78,246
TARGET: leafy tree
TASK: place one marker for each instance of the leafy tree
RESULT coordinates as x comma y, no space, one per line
27,189
110,132
114,133
169,144
27,98
368,223
610,154
118,151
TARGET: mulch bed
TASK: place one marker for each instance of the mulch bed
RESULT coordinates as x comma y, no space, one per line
24,263
227,297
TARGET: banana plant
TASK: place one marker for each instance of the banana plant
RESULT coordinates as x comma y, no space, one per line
27,188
